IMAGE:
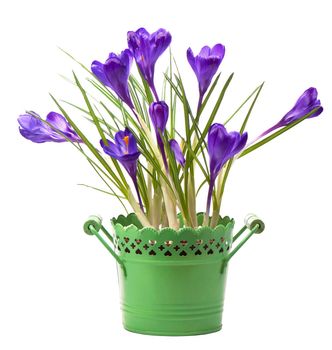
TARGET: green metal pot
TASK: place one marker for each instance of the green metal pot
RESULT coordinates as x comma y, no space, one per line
172,282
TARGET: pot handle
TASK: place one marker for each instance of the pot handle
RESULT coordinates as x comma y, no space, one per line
92,226
254,225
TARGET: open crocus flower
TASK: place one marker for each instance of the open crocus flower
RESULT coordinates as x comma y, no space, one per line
54,129
176,149
159,115
222,146
205,65
125,150
306,103
146,49
114,73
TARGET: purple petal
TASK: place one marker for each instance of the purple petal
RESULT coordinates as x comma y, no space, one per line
27,121
240,144
142,32
218,50
126,142
60,123
205,52
34,137
37,130
146,49
222,146
111,149
175,147
159,42
191,59
117,70
115,73
159,115
206,64
127,156
307,98
304,105
97,68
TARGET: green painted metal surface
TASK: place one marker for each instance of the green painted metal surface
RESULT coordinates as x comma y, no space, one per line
172,282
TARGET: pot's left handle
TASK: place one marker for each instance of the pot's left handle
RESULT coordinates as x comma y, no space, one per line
92,226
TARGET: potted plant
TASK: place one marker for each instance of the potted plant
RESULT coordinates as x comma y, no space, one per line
156,153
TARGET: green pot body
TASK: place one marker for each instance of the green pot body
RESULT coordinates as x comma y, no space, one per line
172,282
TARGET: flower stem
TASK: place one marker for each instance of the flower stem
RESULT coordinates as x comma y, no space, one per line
153,88
134,178
162,150
208,202
200,100
274,127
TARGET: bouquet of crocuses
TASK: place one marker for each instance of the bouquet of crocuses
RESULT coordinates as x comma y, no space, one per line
144,157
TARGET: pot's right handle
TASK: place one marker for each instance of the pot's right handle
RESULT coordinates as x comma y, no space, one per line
254,225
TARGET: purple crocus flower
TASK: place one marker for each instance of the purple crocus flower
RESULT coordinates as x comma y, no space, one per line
114,73
222,146
305,104
146,49
205,66
159,115
54,129
125,150
175,147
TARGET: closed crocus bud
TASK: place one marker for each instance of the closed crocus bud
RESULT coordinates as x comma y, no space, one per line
305,104
159,115
146,49
54,129
175,148
114,73
205,65
222,146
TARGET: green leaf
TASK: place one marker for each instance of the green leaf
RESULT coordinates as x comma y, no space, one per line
240,107
100,190
91,111
92,148
244,124
213,114
207,97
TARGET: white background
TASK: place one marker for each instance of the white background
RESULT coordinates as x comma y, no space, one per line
58,287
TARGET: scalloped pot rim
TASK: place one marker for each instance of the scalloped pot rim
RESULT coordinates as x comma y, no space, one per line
130,222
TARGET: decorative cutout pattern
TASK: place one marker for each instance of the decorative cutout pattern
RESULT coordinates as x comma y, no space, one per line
133,241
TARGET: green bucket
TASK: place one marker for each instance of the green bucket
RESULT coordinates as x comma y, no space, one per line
172,282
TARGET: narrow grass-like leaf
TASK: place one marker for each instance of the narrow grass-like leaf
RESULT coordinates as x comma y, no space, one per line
244,124
147,89
207,97
115,119
214,112
100,190
91,147
241,105
91,111
276,134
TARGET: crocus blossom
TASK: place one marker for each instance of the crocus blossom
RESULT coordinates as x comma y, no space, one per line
176,149
159,115
114,73
146,49
124,149
306,103
222,146
205,65
54,129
